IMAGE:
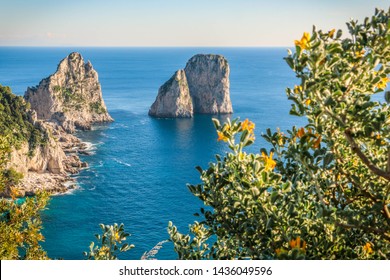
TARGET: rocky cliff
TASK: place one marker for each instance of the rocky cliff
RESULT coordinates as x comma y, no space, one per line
205,80
47,166
71,97
173,99
208,81
43,149
48,157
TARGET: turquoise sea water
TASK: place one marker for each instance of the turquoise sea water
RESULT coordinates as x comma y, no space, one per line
140,166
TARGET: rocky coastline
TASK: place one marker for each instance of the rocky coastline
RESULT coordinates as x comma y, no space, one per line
51,168
69,100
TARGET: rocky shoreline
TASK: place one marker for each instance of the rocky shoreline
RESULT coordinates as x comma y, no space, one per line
68,100
35,181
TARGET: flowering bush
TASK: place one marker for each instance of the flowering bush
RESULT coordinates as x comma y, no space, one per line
322,191
110,240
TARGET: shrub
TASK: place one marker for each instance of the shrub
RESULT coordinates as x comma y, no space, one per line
322,191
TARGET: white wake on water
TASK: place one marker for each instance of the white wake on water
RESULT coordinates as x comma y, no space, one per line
122,162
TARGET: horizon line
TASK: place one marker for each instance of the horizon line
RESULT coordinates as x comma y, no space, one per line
95,46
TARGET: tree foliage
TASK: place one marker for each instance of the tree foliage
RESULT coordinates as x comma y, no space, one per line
20,228
15,121
322,191
20,222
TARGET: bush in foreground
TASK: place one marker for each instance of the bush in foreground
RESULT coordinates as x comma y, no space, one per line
322,191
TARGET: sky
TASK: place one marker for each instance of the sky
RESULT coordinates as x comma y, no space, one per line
182,23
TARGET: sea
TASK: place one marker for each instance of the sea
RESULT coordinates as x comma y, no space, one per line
140,166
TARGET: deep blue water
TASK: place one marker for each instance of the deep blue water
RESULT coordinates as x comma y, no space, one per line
140,166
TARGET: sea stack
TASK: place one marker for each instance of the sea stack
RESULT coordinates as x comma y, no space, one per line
71,97
173,99
204,89
208,81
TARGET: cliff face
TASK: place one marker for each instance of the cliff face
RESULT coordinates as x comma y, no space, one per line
173,99
204,89
46,158
208,81
46,166
71,97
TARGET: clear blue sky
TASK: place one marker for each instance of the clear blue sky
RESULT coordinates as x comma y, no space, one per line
172,22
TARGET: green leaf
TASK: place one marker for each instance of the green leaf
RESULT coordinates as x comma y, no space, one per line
216,123
387,96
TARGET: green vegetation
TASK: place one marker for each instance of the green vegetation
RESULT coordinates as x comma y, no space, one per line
15,122
112,236
97,108
323,190
20,223
70,97
57,89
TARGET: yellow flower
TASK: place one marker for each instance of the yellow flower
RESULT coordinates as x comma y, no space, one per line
304,42
103,251
307,102
382,84
297,89
317,142
14,193
368,248
226,127
304,245
296,243
301,132
281,140
269,162
331,33
248,125
116,236
196,229
221,136
360,54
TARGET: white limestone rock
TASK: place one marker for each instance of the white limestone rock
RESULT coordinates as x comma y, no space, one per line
204,90
173,99
208,81
71,97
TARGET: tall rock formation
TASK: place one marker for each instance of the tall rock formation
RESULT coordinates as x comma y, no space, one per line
203,88
208,81
173,99
41,146
71,97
